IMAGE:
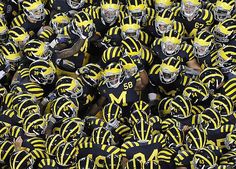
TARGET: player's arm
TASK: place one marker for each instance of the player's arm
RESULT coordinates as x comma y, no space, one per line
71,51
194,65
142,81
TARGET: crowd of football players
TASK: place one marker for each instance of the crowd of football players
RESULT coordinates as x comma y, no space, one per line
117,84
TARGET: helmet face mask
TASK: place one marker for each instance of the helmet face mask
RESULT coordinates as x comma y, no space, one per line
200,50
110,12
85,31
132,71
113,80
167,76
169,48
189,9
220,36
76,4
37,14
113,75
138,14
131,33
221,14
163,27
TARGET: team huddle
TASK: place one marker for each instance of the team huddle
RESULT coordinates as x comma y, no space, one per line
117,84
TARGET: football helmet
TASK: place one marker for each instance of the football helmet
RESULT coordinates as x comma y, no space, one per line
34,9
170,69
113,161
64,107
132,48
59,21
196,92
71,130
189,8
142,131
3,31
101,135
34,124
225,31
111,114
161,5
69,86
66,155
180,107
42,72
18,99
15,132
164,106
47,164
171,43
174,137
6,150
203,43
27,107
164,21
196,139
83,25
11,53
140,105
19,36
113,75
227,58
4,129
110,10
210,119
168,123
75,4
137,115
130,27
223,9
90,73
129,66
137,9
36,49
52,143
222,104
230,140
31,87
21,159
86,163
212,78
204,158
